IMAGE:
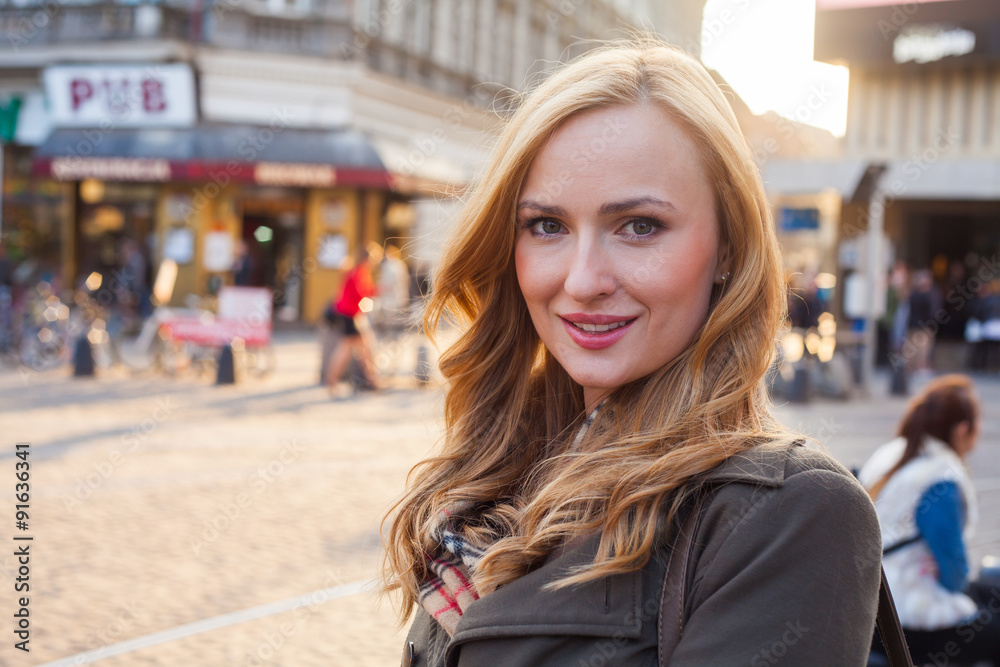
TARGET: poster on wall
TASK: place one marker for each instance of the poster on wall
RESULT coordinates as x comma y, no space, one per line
218,255
332,251
179,246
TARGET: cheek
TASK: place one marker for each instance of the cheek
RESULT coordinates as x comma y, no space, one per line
535,275
681,290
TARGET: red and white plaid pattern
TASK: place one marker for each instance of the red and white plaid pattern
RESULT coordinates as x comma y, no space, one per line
449,591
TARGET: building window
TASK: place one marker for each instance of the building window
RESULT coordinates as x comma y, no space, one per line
422,27
504,44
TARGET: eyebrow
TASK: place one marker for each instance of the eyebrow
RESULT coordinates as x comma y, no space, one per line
610,208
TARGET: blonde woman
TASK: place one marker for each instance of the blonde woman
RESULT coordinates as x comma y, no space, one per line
620,287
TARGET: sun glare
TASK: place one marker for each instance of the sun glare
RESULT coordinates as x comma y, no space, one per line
763,48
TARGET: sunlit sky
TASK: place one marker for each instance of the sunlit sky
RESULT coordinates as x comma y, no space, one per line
763,48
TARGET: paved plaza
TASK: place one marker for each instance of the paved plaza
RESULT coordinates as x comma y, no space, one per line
178,523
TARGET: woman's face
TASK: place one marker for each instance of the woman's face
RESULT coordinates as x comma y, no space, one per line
617,245
964,436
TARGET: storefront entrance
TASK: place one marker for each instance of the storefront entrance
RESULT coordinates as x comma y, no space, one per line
270,252
114,239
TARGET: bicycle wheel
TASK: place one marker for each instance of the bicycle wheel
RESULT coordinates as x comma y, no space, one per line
259,361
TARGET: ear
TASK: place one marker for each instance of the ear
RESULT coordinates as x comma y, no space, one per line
722,268
960,435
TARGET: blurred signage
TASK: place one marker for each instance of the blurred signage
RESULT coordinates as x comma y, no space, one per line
109,169
850,4
885,32
290,173
252,304
217,252
798,219
926,44
108,96
9,110
75,168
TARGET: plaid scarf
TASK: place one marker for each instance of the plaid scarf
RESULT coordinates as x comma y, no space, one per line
448,590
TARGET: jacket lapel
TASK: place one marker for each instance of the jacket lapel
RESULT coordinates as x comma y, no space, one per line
605,607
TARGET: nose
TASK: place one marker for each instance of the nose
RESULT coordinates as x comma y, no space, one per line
590,273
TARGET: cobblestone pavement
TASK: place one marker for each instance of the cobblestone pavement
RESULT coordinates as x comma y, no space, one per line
158,503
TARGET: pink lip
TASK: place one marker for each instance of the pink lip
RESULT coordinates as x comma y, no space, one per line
595,341
595,318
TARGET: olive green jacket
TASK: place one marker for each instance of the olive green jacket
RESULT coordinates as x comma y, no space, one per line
785,568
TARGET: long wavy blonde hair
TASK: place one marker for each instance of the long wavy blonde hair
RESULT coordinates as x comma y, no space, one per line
511,409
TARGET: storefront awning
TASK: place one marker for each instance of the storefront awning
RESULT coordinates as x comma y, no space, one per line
219,153
794,177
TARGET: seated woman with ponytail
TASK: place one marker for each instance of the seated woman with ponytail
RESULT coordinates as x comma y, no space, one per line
927,509
612,488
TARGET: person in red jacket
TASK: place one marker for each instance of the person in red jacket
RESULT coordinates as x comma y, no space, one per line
358,286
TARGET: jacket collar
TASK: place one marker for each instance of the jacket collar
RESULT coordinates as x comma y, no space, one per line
762,465
608,607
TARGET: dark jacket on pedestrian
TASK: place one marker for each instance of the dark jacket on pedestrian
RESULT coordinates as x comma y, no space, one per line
785,566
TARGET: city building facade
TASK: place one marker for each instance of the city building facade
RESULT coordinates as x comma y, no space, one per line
281,134
916,178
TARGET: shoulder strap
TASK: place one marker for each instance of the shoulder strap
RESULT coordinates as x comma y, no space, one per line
674,583
671,622
899,545
889,629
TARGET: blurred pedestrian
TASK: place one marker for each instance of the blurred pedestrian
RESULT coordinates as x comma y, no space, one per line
954,303
132,285
922,324
244,265
6,267
345,310
926,503
393,281
804,305
983,328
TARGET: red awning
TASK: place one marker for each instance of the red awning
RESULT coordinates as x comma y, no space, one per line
220,154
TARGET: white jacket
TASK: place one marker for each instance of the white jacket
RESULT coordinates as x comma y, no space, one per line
912,572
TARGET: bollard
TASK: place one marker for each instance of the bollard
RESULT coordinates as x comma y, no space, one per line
800,391
423,369
227,366
83,358
899,384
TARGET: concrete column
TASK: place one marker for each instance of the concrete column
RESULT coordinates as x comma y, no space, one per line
873,278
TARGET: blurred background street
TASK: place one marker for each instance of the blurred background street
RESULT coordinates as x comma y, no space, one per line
223,499
227,498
